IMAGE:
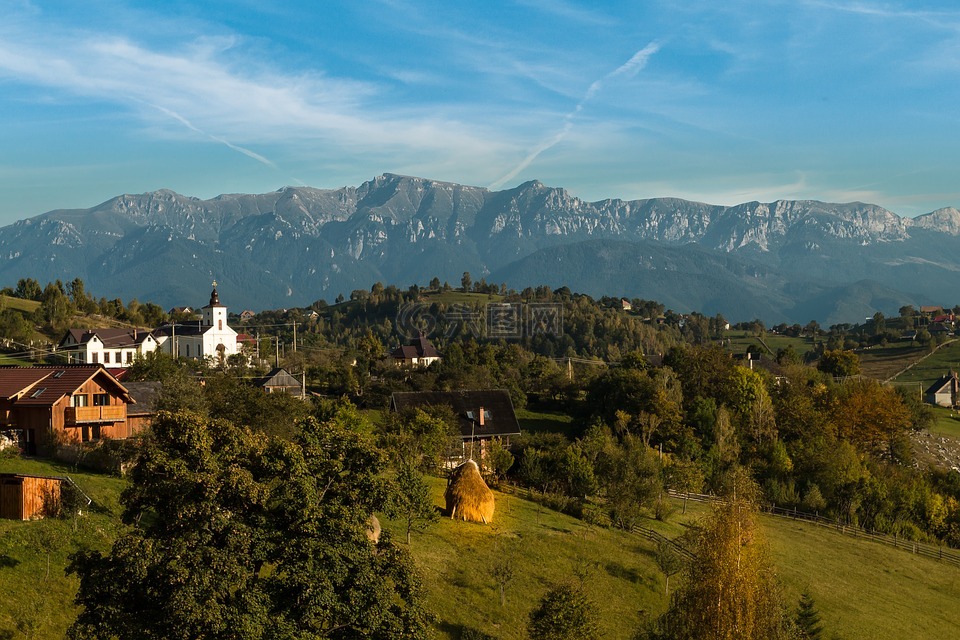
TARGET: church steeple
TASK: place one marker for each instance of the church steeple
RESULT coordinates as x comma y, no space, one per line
215,314
214,296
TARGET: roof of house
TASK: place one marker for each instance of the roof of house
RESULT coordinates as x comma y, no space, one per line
931,309
419,348
942,381
499,418
45,385
145,394
278,377
110,337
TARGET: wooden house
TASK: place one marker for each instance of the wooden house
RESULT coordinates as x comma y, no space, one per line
279,380
50,406
26,497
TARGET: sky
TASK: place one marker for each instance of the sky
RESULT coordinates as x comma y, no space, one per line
718,102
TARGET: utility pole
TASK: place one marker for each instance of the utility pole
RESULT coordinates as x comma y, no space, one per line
294,336
278,352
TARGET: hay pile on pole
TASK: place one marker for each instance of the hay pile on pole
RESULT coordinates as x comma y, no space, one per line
467,496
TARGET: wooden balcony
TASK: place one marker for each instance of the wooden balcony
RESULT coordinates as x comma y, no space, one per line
92,415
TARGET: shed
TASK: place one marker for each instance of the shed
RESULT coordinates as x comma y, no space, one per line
26,497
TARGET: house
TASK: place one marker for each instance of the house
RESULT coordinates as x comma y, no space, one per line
279,380
931,310
938,330
27,497
419,353
246,314
179,312
944,392
625,304
47,406
210,337
114,348
481,415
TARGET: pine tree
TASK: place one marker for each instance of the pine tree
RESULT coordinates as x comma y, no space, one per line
808,618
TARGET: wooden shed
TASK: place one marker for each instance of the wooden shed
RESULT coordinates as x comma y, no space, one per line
27,497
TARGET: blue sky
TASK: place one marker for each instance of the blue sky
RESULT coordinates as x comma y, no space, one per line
722,102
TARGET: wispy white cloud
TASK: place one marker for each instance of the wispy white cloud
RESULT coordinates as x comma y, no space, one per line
209,86
630,68
570,11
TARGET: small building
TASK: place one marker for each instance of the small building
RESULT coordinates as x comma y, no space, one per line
481,415
114,348
419,353
27,497
279,380
945,392
46,407
247,314
625,304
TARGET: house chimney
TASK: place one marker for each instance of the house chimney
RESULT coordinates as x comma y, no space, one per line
481,416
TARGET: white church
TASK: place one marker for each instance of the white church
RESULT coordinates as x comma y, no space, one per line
209,338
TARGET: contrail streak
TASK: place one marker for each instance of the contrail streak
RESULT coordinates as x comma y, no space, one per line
247,152
629,68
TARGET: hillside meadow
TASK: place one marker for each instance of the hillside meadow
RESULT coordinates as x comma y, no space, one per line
862,589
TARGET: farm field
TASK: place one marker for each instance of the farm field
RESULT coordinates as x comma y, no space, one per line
936,365
883,363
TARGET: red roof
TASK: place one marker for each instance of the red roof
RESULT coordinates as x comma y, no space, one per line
421,348
45,385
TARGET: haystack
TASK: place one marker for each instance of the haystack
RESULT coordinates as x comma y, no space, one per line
373,529
468,497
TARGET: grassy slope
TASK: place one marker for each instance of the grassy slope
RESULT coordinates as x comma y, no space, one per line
33,586
27,306
926,372
863,590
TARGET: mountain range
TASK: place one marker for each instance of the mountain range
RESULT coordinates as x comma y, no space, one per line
785,261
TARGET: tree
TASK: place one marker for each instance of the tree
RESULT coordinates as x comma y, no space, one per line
839,363
28,289
412,503
504,570
729,592
564,613
669,561
236,534
808,618
465,281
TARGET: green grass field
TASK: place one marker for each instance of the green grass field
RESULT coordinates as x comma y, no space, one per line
862,589
27,306
535,421
947,422
931,368
740,341
35,593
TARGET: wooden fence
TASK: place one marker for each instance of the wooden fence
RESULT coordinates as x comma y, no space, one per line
936,552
